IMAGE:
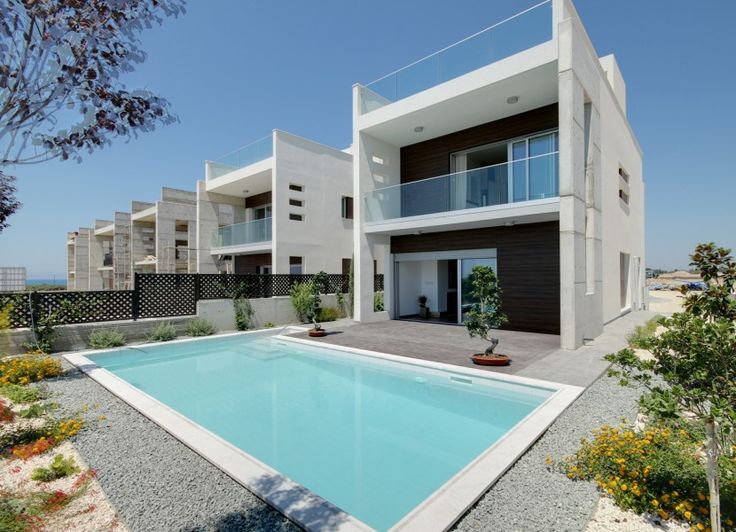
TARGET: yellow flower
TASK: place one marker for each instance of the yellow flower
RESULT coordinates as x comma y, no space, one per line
688,515
655,502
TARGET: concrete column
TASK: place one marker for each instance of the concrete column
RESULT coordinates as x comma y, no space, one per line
81,259
121,257
96,255
192,247
165,238
580,191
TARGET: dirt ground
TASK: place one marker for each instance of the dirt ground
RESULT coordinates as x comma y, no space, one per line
665,301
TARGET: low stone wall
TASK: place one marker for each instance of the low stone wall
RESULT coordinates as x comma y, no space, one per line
275,310
76,337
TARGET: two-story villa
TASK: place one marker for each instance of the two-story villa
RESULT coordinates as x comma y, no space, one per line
511,149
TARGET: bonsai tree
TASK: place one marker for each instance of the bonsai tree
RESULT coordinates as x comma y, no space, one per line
692,372
485,315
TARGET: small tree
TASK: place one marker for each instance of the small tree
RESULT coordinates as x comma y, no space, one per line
8,202
693,369
485,314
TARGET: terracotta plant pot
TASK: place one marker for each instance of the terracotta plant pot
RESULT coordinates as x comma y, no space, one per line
494,360
317,333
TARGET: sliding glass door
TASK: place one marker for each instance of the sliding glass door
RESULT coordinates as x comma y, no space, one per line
466,267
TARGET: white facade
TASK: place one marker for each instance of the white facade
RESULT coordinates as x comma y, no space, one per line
282,212
598,203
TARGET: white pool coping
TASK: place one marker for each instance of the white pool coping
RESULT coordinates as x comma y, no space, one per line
438,512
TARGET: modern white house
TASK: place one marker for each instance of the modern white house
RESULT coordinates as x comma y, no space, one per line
283,204
511,149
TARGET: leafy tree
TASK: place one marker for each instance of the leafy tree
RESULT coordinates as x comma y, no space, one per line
485,315
60,68
693,369
8,203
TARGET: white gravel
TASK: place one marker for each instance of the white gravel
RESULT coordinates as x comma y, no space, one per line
608,517
156,483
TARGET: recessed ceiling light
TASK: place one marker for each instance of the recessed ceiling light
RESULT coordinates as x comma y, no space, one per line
512,99
418,129
245,191
510,224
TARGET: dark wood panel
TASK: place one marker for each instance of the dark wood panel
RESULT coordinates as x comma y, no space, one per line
432,157
258,200
528,267
249,263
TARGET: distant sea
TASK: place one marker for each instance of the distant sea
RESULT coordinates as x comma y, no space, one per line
57,281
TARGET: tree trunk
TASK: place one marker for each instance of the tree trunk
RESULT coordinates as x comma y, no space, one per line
711,452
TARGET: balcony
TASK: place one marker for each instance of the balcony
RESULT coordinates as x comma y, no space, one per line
504,39
470,191
257,151
243,234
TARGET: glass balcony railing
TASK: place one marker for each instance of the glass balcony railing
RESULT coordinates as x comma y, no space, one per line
243,233
515,34
252,153
531,178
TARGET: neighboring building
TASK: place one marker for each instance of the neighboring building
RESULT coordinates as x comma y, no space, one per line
510,149
155,237
163,233
283,204
12,279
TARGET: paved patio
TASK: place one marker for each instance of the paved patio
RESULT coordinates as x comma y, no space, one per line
533,355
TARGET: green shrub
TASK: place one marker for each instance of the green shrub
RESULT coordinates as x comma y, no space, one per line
106,338
654,470
60,467
37,410
200,327
21,394
13,516
642,334
329,314
378,305
163,332
269,325
243,314
302,299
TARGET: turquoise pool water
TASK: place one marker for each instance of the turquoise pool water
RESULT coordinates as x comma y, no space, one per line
373,437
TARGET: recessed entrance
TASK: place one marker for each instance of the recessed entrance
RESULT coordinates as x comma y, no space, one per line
442,278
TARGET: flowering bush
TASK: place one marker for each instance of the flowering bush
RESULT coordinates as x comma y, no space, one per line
29,450
31,367
32,441
656,470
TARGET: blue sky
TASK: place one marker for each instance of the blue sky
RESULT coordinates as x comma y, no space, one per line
234,71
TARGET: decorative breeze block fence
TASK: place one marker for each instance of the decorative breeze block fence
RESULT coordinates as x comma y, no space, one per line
156,295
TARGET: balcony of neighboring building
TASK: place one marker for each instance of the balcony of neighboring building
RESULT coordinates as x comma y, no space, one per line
506,69
242,238
247,167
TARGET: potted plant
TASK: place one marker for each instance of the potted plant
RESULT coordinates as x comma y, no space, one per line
485,315
423,308
313,310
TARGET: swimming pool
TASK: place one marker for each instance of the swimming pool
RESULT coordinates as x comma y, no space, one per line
380,438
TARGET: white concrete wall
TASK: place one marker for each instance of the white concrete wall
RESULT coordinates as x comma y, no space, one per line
275,310
611,228
96,256
375,164
324,238
213,210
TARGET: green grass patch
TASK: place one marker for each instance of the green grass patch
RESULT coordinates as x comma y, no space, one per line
642,334
21,394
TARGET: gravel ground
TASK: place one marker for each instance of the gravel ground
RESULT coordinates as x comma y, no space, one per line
608,516
156,483
531,497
